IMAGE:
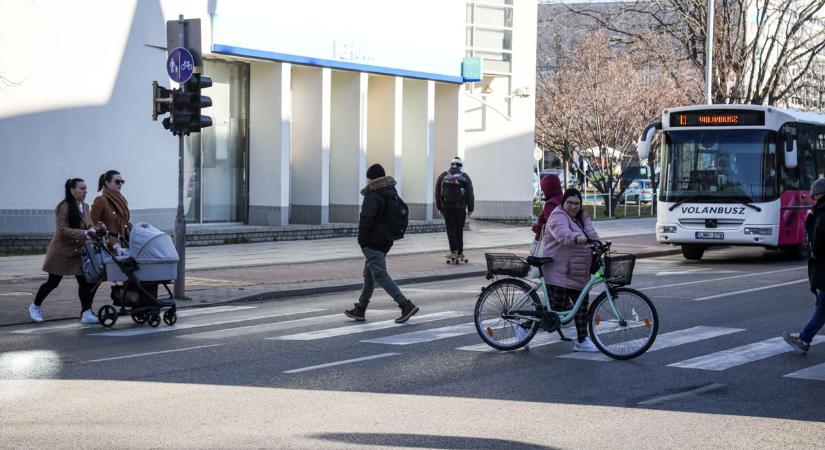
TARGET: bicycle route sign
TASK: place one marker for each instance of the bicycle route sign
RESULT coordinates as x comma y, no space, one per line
180,65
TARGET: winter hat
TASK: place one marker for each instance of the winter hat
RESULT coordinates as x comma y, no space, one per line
818,187
457,163
375,171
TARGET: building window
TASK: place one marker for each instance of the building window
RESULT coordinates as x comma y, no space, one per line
490,37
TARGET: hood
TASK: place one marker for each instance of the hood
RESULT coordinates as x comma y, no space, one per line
551,186
454,170
379,184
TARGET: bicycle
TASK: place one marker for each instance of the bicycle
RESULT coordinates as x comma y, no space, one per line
622,321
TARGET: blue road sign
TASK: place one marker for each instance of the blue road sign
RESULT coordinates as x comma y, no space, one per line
180,64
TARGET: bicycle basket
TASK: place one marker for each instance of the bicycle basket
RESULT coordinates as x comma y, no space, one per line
618,268
506,264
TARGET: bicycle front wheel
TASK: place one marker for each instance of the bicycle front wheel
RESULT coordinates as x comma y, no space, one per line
624,328
495,306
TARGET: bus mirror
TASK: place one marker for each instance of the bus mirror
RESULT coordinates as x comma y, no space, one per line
643,146
790,153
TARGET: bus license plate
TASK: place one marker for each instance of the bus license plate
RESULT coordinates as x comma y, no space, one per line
710,235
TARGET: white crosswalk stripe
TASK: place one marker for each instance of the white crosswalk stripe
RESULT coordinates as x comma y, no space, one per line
666,340
541,339
434,334
144,330
188,312
371,326
816,372
733,357
269,327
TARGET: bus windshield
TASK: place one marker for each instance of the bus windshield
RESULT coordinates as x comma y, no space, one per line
719,166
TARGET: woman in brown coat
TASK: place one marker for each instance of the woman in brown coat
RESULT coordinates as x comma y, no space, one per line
112,210
63,257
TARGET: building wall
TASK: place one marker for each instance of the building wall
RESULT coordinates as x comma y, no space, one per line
80,105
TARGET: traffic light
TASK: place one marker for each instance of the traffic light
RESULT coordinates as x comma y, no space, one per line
161,100
197,101
180,118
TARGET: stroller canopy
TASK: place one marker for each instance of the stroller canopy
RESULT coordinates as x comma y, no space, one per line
147,244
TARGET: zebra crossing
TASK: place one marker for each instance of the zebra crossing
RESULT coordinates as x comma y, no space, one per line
229,322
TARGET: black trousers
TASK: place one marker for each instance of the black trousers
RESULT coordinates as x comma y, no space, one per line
86,291
454,220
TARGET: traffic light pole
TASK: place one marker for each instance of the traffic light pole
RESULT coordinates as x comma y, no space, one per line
180,219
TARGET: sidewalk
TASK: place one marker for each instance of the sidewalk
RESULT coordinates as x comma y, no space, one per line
229,273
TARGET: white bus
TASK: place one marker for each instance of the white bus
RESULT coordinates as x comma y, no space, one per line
736,175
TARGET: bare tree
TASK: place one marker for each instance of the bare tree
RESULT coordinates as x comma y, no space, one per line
763,50
593,107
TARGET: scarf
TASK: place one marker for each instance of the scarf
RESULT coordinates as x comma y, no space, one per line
118,203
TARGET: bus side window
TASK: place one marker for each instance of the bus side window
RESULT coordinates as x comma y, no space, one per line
819,150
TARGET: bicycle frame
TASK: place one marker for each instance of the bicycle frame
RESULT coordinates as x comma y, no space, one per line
568,315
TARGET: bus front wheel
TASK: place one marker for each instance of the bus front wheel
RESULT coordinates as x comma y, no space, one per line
693,252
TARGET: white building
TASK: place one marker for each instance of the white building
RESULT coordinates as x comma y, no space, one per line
307,94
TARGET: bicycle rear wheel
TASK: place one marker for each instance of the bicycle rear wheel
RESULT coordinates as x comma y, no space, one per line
499,299
632,332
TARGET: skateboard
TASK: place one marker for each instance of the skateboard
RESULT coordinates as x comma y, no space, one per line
457,260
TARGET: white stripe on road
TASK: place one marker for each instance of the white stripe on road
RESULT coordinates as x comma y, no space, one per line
667,340
541,339
137,355
816,372
341,363
745,291
434,334
353,329
268,327
733,357
186,326
188,312
687,283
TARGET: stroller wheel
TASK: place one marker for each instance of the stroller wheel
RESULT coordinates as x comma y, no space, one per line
107,315
154,319
139,318
170,317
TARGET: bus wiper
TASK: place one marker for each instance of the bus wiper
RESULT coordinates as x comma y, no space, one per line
684,200
749,205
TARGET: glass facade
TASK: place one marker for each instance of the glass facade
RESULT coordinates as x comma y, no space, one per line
216,178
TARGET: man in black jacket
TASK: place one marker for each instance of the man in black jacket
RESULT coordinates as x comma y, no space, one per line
815,227
455,201
375,244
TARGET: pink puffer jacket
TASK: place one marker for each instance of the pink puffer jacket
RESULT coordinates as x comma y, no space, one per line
571,261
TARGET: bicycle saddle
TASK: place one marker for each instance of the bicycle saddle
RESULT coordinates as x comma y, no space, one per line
538,261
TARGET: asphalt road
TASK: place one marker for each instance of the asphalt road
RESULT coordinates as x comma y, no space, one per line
297,374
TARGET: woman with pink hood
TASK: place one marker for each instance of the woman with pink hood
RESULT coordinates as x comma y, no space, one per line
551,187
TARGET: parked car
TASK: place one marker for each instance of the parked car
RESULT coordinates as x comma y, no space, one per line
639,191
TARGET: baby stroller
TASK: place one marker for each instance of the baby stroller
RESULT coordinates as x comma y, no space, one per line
152,261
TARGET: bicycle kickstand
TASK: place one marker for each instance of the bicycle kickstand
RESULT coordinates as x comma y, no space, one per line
562,336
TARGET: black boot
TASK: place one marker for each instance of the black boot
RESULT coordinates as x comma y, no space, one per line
407,311
357,313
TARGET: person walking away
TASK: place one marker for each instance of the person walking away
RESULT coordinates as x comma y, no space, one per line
815,227
455,200
73,226
112,210
565,238
375,240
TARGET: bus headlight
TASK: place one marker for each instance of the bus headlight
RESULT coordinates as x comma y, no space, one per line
665,228
758,231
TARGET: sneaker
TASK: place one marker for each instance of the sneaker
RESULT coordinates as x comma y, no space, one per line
34,313
357,313
407,311
88,317
796,343
585,346
521,333
450,255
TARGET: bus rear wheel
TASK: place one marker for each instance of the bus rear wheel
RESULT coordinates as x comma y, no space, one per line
693,252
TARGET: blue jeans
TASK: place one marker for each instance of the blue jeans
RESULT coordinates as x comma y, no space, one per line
375,271
817,321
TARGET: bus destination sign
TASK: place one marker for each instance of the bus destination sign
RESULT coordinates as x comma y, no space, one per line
717,118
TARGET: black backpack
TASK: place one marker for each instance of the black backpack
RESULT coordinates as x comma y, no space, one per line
452,189
396,218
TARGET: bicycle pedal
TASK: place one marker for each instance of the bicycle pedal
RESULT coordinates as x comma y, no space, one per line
562,336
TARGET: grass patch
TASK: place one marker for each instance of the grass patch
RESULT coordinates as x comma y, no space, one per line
632,210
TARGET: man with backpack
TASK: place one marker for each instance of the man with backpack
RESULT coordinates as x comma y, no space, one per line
384,218
455,201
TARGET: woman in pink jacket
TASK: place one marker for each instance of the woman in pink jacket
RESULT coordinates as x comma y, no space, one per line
565,240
